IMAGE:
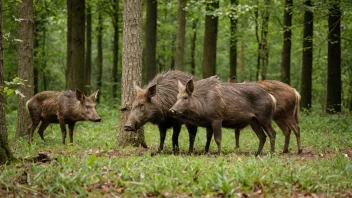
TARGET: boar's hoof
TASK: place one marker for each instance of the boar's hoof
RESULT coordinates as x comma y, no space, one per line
98,119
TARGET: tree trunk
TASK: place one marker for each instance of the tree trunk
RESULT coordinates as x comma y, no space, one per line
193,46
210,38
25,63
180,35
286,49
242,62
256,15
233,42
5,151
100,51
307,57
69,41
333,102
75,69
131,69
264,40
116,49
88,68
150,42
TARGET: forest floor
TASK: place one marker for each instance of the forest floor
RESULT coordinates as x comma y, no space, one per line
93,166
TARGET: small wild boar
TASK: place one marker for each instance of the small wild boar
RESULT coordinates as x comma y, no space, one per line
152,104
212,104
65,107
286,112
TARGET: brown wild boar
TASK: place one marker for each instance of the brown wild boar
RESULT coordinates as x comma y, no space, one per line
152,104
65,107
212,104
286,112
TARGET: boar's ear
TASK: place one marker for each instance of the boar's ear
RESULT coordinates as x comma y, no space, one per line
94,95
136,87
232,79
151,91
190,86
79,95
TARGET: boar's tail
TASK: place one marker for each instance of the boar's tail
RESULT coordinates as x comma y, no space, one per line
274,101
296,110
27,103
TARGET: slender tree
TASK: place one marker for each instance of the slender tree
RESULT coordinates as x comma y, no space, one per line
75,45
115,48
242,61
193,45
180,35
100,51
150,68
131,69
286,49
5,151
333,99
88,68
25,63
307,57
233,41
210,40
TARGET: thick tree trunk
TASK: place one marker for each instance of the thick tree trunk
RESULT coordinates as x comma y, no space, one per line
25,63
333,102
193,46
88,68
69,41
115,62
75,69
180,35
264,40
210,40
5,151
233,42
286,49
150,42
131,69
307,57
100,52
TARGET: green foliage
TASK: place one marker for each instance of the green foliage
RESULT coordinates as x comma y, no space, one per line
93,166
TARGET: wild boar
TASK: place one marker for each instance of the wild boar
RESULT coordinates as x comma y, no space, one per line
152,103
65,107
212,104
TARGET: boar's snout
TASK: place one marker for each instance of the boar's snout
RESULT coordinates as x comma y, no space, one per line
173,112
97,119
128,127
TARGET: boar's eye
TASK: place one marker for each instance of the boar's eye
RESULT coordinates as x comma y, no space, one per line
87,106
185,97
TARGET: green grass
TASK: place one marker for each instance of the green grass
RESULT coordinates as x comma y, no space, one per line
93,166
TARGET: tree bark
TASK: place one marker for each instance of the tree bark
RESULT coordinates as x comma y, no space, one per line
75,69
150,42
88,68
233,42
307,57
333,99
264,40
116,49
210,40
193,46
180,35
256,15
100,51
286,49
5,151
25,63
242,62
69,41
131,69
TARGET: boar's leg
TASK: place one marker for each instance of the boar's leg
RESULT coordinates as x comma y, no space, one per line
237,134
31,130
192,132
296,129
209,136
287,132
71,126
42,128
176,128
272,135
162,130
63,131
260,134
216,125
